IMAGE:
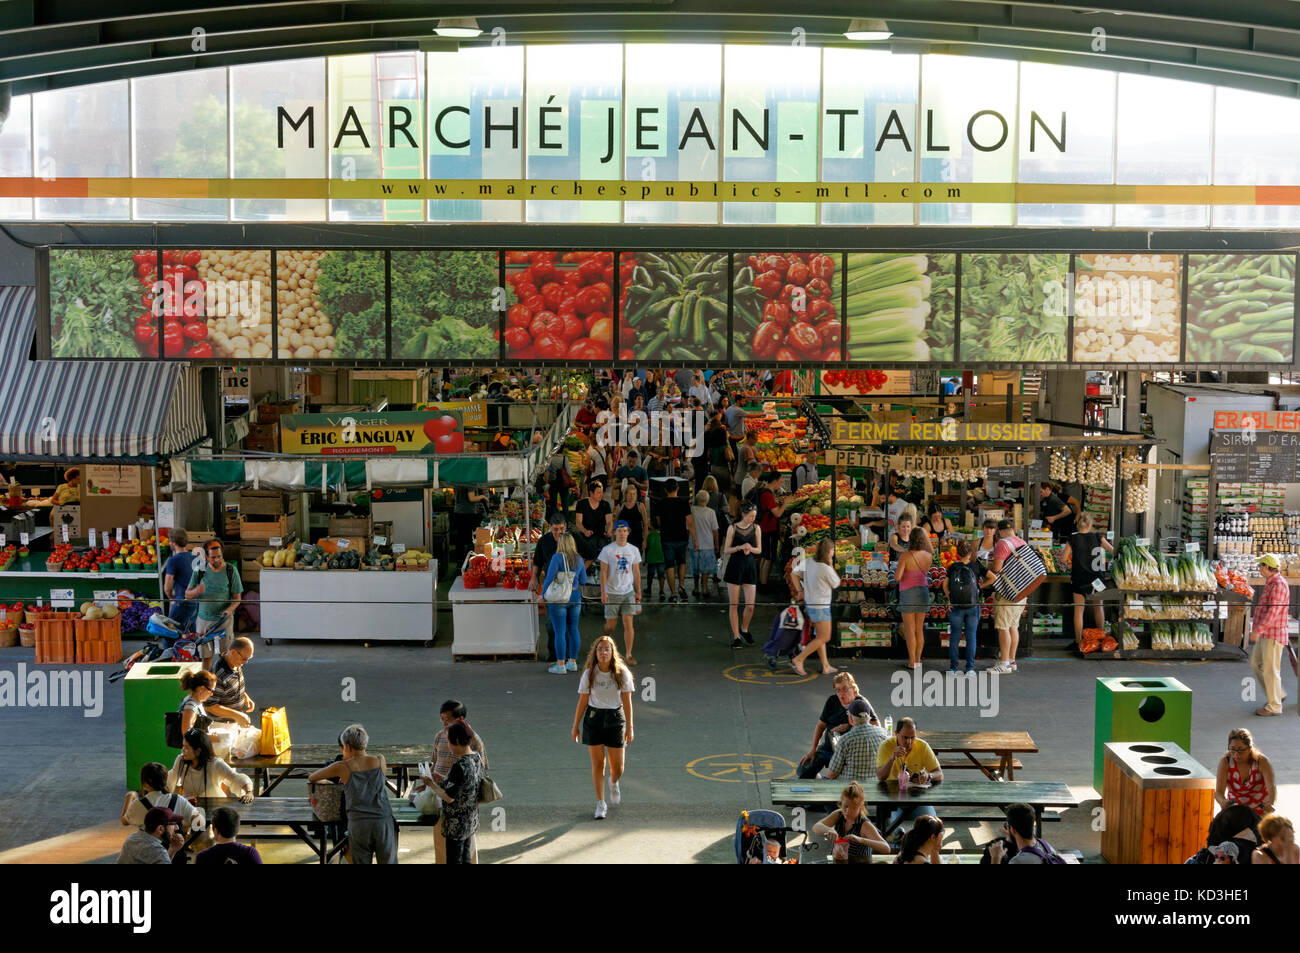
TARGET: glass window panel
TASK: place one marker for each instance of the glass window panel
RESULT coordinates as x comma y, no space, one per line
1013,307
674,303
869,128
773,91
1163,138
967,101
1127,308
330,304
674,94
377,130
80,131
257,93
1077,108
180,142
561,305
16,155
442,305
96,304
1251,320
470,91
574,125
1256,142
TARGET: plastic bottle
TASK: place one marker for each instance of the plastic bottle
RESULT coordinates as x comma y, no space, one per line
889,724
903,776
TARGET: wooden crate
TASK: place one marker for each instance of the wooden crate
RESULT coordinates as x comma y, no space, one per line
253,503
349,526
250,570
263,527
270,413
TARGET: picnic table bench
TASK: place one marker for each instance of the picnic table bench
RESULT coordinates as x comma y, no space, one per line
298,761
1003,745
884,796
326,838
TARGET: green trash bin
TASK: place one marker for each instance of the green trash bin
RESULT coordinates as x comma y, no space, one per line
151,689
1139,709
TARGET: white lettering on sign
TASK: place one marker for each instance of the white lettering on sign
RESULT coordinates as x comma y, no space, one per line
399,548
276,542
345,543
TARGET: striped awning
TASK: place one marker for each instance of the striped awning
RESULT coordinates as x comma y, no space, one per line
85,410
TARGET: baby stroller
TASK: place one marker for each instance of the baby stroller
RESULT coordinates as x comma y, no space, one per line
756,829
786,635
169,644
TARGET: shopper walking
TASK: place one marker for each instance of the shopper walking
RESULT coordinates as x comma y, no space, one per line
672,516
218,590
913,573
1268,630
567,571
633,512
593,521
962,587
743,544
770,510
620,586
1006,613
603,719
704,543
177,572
815,583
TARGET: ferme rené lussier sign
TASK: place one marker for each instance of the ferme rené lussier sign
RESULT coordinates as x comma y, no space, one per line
986,130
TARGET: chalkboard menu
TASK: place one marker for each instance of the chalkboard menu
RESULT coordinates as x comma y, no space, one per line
1263,456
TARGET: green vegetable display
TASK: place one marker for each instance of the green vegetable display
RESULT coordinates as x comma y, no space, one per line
443,304
94,301
1240,308
1013,307
350,291
676,307
900,307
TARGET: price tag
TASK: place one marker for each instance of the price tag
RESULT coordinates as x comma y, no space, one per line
61,598
3,541
1210,607
64,529
105,597
1098,586
1035,524
852,570
345,543
1223,610
276,542
23,539
381,540
1192,548
1144,541
118,535
399,548
1110,534
1135,605
93,540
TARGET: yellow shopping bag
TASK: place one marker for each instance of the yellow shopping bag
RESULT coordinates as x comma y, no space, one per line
275,731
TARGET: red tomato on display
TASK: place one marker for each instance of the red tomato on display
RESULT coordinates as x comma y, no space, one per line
544,322
517,340
571,327
549,345
589,349
602,330
518,316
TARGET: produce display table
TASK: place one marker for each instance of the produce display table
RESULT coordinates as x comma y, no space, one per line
27,579
491,622
349,604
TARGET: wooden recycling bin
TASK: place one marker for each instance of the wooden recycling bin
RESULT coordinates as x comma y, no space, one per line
1158,801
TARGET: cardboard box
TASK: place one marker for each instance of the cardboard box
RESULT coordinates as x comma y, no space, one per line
57,513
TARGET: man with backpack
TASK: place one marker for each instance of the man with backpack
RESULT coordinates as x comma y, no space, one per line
962,587
218,590
1019,829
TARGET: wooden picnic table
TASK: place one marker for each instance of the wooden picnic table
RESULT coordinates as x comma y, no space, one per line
298,761
884,795
1005,745
326,838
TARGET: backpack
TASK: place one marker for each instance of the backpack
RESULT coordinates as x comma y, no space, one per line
230,578
963,586
1045,851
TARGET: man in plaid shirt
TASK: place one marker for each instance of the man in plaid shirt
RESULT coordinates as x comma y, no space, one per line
855,755
1268,627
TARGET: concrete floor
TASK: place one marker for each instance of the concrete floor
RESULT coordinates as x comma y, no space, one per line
61,787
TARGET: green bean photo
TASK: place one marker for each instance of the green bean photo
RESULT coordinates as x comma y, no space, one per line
1240,308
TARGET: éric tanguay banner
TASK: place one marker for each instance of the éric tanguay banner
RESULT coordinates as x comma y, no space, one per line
405,432
606,190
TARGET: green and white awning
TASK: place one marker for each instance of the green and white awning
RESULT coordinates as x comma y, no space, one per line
204,473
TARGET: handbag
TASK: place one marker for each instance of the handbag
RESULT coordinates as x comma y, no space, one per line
172,726
1017,580
488,791
561,587
275,732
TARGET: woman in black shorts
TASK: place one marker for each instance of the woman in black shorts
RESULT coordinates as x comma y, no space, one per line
743,544
603,720
1086,564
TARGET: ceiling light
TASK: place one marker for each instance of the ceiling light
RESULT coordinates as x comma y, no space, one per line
868,30
459,27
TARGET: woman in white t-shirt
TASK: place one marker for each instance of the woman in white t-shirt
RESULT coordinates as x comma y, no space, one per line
603,720
815,583
197,772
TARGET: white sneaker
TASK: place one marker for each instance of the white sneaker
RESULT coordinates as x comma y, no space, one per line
1002,668
601,810
1014,668
615,795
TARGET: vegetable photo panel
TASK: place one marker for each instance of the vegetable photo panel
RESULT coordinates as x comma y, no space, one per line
445,304
786,307
1240,308
216,303
1014,307
560,305
674,306
900,307
100,303
1126,308
330,304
